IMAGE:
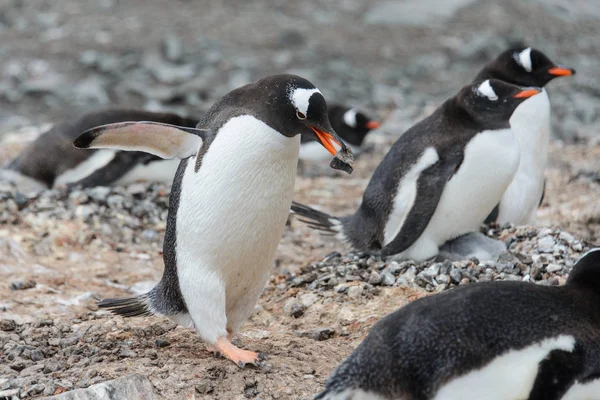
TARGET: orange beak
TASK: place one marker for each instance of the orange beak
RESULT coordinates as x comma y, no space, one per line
557,71
373,124
326,140
526,93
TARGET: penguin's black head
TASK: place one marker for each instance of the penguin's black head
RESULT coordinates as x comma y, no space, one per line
586,272
524,66
293,106
352,125
491,103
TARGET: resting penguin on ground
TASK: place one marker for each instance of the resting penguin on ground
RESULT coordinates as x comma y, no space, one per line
51,160
439,180
229,201
493,341
531,124
349,123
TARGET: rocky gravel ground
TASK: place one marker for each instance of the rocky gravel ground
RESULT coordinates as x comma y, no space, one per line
59,250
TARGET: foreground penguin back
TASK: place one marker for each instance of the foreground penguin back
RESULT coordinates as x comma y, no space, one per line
493,341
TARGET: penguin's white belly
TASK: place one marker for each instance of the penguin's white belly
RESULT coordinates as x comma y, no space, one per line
96,161
230,219
490,161
583,391
509,376
531,124
155,171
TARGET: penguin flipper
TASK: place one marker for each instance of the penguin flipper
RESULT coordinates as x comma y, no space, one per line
493,215
162,140
430,187
556,373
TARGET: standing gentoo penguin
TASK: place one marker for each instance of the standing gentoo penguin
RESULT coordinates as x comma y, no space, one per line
530,122
52,160
229,201
493,341
349,123
439,180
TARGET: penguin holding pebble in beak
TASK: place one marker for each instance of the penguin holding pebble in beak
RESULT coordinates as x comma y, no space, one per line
350,124
439,180
526,66
229,202
492,340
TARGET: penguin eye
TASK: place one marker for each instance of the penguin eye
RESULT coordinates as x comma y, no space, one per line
300,115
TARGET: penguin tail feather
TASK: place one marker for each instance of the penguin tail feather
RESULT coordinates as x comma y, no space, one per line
317,219
127,307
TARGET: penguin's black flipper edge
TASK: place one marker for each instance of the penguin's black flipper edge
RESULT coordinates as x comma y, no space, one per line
493,215
127,307
430,187
162,140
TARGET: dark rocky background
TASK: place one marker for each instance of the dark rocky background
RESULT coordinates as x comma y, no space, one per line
60,58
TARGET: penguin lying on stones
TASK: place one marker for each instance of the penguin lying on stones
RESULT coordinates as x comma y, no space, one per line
493,341
349,123
229,201
439,180
51,160
530,122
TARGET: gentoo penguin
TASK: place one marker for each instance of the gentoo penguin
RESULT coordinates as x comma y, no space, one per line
439,180
493,341
350,124
52,160
229,201
530,122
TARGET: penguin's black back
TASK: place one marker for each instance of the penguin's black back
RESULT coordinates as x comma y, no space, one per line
418,348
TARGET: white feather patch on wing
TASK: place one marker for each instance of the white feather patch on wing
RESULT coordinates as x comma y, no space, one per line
162,140
406,193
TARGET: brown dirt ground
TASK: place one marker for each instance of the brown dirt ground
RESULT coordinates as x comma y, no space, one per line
297,366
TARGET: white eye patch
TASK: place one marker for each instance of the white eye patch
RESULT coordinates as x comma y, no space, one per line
350,118
485,89
300,98
524,59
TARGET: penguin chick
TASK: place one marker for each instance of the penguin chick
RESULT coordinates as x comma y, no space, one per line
439,180
494,340
525,66
229,202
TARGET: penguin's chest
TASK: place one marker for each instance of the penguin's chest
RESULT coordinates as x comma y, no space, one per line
531,124
232,211
490,161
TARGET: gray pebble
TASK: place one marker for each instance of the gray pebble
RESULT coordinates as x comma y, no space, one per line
375,278
388,279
